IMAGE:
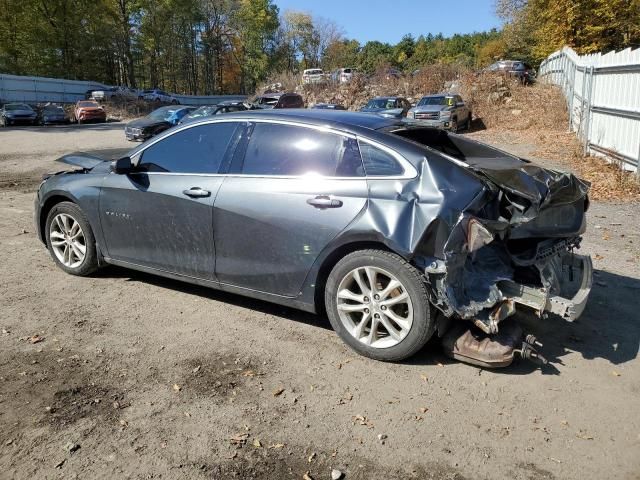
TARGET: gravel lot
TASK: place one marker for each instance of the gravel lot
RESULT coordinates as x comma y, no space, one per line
125,375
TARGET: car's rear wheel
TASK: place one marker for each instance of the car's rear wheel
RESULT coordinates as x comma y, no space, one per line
70,239
378,304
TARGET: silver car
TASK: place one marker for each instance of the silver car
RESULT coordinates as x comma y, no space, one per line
445,111
395,231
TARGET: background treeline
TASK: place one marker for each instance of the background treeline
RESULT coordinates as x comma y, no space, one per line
229,46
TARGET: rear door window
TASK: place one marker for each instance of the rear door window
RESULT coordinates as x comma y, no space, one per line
378,163
199,149
287,150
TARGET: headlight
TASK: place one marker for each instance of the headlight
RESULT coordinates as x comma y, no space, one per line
411,114
445,114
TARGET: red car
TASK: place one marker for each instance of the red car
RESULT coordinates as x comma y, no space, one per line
88,110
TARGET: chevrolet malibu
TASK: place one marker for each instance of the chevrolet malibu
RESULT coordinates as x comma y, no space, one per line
396,230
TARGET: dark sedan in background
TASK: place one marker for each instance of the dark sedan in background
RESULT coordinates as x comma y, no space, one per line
397,231
52,114
279,100
228,106
17,114
156,122
396,107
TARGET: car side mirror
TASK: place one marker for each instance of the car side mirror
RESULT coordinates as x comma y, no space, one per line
122,165
460,104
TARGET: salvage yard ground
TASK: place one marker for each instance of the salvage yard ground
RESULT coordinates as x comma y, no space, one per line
125,375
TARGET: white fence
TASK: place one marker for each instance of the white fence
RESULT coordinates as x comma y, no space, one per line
603,98
14,88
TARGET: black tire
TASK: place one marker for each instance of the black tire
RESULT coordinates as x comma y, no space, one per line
454,125
90,263
423,325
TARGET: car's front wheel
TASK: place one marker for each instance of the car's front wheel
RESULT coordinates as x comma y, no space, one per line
70,239
378,304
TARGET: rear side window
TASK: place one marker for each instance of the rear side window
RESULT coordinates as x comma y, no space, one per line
199,149
378,163
285,150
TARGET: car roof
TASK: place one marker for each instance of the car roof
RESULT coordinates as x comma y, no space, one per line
340,119
385,98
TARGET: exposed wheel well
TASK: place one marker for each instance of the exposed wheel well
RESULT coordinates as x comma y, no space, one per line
330,262
48,205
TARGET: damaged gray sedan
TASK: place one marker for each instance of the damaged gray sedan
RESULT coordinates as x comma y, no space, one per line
396,230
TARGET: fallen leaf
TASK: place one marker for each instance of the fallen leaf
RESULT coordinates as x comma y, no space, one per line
36,339
257,443
307,476
177,387
424,377
278,391
424,409
615,374
276,445
598,257
311,457
197,369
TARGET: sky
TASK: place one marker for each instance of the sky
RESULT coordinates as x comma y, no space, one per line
389,20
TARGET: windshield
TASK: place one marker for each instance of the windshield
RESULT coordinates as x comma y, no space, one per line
202,112
162,113
17,106
381,103
268,100
435,101
88,104
313,72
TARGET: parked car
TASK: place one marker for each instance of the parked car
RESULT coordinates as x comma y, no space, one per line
157,95
343,75
329,106
514,68
388,106
17,113
89,111
395,230
442,111
115,92
279,100
313,75
52,113
228,106
156,122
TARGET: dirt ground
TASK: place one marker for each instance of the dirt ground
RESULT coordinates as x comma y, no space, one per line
125,375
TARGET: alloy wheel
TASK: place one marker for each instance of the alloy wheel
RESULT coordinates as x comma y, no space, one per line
374,307
67,240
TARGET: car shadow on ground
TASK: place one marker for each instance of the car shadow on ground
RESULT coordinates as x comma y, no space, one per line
609,327
261,306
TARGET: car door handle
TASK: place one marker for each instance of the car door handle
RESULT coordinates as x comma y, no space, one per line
324,201
196,192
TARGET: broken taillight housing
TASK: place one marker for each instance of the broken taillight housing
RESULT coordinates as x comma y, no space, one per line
477,235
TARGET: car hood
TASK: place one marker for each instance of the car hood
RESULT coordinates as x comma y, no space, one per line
389,112
81,159
429,108
20,112
147,122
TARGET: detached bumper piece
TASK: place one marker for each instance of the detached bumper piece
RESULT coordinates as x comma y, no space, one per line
473,346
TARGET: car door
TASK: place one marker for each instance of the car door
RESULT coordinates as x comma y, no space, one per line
294,189
463,110
160,215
